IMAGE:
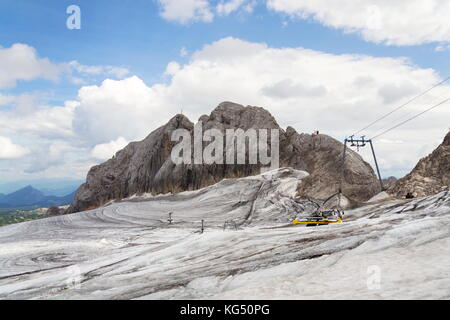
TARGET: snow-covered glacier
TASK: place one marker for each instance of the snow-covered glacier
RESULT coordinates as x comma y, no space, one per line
391,249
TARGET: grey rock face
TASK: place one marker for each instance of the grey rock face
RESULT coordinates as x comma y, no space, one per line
430,176
146,166
389,182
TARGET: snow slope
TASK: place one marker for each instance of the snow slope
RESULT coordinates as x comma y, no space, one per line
127,250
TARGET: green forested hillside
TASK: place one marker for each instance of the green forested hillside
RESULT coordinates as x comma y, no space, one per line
8,216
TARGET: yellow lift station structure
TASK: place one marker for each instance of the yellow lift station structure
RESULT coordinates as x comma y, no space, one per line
323,218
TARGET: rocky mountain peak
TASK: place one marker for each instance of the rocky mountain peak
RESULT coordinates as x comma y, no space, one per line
430,176
146,166
232,115
179,121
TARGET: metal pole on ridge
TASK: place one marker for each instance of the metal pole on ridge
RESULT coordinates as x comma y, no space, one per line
358,143
343,166
376,165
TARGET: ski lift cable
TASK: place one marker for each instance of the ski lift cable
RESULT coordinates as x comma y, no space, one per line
402,106
412,118
393,122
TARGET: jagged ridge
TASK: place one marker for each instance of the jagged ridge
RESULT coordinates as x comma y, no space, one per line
430,176
146,166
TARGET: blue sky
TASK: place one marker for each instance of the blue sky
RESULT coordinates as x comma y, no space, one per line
138,45
131,33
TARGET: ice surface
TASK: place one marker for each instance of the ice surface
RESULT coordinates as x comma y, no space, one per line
380,196
128,250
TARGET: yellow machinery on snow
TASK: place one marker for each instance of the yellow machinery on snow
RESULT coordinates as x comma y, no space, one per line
321,218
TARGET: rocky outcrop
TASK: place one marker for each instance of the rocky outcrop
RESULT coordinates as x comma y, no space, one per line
54,211
146,166
389,182
430,176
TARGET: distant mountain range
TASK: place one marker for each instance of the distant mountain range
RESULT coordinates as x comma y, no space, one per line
31,197
49,186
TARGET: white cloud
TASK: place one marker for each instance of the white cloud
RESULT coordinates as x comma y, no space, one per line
250,6
442,48
106,151
20,62
227,7
184,52
392,92
41,122
172,68
184,11
9,150
126,108
392,22
49,154
391,141
310,90
117,72
287,89
6,99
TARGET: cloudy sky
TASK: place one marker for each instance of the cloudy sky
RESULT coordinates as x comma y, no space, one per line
70,98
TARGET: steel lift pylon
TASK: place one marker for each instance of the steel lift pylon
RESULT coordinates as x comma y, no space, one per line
359,143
